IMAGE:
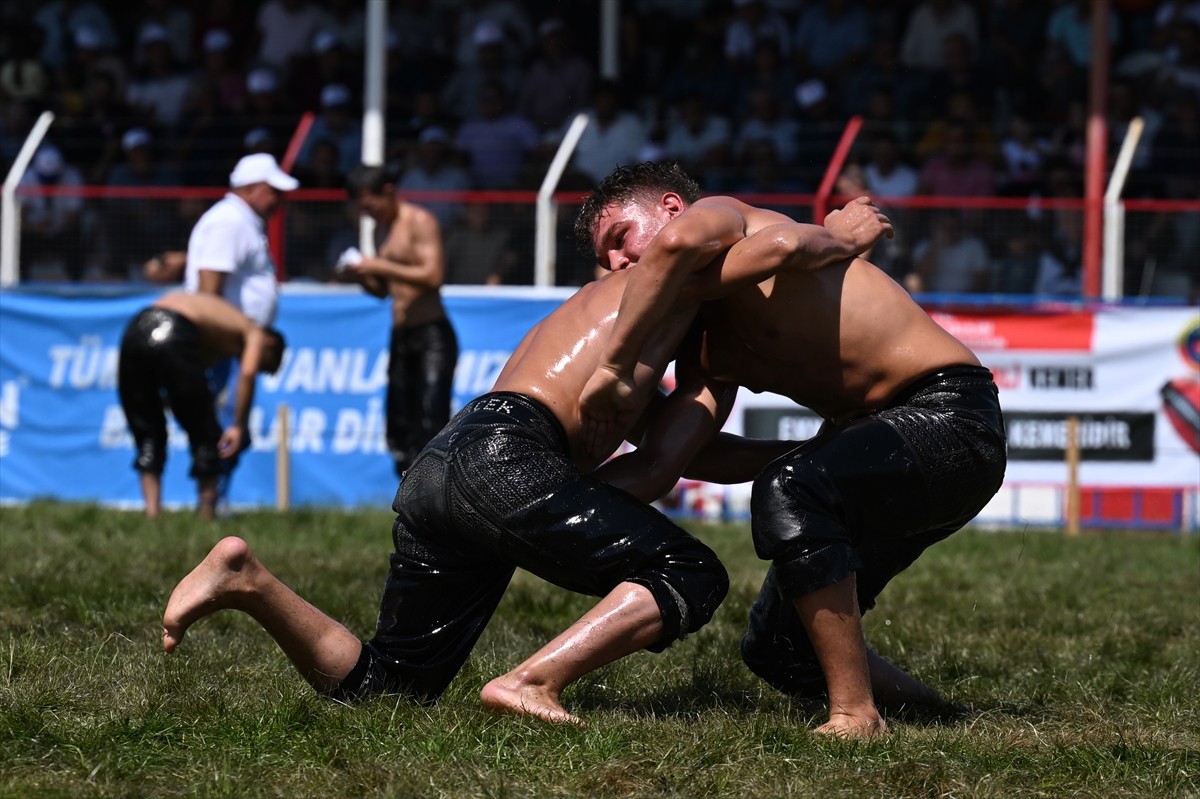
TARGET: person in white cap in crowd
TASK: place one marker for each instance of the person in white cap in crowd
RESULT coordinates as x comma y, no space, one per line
51,226
337,123
410,268
460,93
159,87
138,225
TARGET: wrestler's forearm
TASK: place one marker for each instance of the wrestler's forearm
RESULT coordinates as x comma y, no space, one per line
729,459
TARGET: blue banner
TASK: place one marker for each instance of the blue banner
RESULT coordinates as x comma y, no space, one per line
63,435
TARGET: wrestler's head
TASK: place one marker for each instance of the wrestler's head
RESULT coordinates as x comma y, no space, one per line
628,208
272,354
374,189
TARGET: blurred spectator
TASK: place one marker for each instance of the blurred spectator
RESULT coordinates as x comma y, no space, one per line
761,171
885,174
52,226
218,67
766,69
23,77
211,139
337,122
950,260
932,21
701,71
88,57
346,20
880,117
260,140
1016,271
908,96
962,73
286,31
1060,264
60,20
961,109
506,17
267,107
613,136
173,18
139,226
478,251
1166,254
751,22
229,16
420,40
767,121
497,143
558,83
461,92
159,88
1022,153
1016,34
1180,67
90,135
832,39
820,128
1070,27
957,169
328,63
700,140
433,169
312,226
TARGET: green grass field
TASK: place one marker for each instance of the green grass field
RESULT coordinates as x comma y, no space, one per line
1081,654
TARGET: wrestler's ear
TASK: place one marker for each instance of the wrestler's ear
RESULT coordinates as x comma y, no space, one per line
672,204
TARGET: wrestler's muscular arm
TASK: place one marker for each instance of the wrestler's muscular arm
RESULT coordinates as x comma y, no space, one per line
696,237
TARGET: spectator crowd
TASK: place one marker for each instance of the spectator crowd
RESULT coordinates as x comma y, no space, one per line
979,98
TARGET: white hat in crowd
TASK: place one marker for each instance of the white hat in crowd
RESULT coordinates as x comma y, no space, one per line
261,81
135,137
48,162
217,39
335,94
261,168
488,32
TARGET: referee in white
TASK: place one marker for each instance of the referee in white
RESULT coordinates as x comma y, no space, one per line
227,255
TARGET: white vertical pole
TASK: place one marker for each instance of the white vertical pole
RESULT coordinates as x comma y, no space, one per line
10,230
547,209
610,23
1113,279
374,102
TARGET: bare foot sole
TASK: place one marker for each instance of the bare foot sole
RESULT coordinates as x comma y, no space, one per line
209,587
501,697
852,727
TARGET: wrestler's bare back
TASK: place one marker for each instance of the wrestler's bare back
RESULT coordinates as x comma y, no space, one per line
557,357
841,340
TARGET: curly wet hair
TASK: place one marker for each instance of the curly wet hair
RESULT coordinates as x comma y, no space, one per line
648,178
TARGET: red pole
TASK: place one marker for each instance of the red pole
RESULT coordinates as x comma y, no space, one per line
836,162
275,226
1097,152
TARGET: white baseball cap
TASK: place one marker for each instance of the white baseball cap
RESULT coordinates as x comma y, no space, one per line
261,168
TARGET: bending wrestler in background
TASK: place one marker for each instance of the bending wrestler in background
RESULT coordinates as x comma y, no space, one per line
164,354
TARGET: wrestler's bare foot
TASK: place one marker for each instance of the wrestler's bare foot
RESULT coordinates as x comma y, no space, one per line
507,694
221,577
845,725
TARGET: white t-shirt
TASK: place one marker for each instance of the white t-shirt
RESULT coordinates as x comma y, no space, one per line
232,238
